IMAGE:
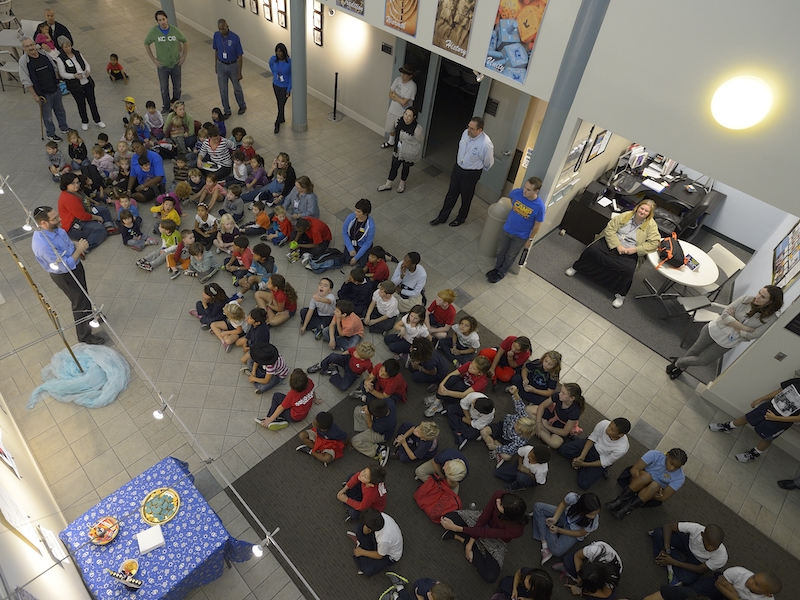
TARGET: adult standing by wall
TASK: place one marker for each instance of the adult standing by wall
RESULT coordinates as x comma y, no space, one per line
228,59
37,72
56,28
520,228
408,136
281,67
53,248
76,72
475,155
171,50
401,93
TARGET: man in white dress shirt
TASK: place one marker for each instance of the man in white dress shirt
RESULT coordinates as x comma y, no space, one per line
475,155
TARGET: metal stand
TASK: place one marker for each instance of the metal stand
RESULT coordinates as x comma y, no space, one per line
661,293
334,116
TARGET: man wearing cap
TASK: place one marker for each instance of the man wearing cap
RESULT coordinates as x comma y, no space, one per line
56,28
38,73
171,49
228,58
61,258
401,94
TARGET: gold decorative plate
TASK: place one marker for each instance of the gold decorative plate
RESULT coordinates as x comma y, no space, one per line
160,506
104,531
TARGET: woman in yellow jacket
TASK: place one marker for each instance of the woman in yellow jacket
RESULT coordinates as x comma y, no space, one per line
629,237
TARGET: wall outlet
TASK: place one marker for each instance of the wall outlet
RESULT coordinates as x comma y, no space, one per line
780,356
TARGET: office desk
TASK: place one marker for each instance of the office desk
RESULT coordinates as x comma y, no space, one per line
197,544
706,273
673,197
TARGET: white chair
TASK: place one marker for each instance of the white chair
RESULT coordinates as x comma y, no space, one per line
7,15
728,266
28,27
704,315
8,64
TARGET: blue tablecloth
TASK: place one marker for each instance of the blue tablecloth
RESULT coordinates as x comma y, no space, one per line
197,543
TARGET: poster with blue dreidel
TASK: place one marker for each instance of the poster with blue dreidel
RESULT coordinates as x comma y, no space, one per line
515,29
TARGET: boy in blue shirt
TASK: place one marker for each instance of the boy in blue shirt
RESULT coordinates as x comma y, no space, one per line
260,269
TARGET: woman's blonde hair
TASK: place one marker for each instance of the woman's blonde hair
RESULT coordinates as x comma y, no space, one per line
649,203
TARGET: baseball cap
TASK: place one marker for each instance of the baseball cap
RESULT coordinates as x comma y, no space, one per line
129,99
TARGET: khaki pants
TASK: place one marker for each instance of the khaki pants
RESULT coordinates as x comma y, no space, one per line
367,441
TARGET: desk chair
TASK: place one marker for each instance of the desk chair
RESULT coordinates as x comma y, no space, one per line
8,64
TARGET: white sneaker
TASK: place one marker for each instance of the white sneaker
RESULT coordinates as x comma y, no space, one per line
570,272
434,409
101,125
618,300
84,126
430,400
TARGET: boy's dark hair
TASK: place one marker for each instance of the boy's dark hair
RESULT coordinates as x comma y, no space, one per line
125,214
345,307
259,315
358,275
421,349
484,405
388,287
213,130
523,342
264,354
714,534
377,474
377,407
51,145
196,248
372,518
330,281
180,157
364,206
102,136
595,576
169,199
622,424
149,103
186,232
259,205
236,190
114,56
414,257
143,160
679,455
238,155
391,366
263,250
442,591
169,225
542,453
236,130
324,420
241,241
378,252
160,12
298,380
302,225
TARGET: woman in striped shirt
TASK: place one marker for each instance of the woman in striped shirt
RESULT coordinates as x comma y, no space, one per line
217,150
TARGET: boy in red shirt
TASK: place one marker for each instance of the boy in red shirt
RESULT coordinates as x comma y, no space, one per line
346,329
354,362
385,381
506,362
238,263
325,441
362,490
441,314
469,377
376,269
291,407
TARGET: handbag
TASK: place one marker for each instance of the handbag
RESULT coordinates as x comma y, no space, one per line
670,252
436,498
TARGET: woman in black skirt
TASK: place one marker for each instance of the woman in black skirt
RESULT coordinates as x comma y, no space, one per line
629,237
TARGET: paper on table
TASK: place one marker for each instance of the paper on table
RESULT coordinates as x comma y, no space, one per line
604,201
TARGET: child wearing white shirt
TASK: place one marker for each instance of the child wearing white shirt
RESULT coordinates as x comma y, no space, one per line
383,311
406,330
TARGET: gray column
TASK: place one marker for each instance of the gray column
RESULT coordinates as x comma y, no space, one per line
573,64
168,6
297,36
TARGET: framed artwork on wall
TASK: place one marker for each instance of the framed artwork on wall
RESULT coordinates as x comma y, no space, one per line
318,37
240,3
599,145
254,6
281,6
267,8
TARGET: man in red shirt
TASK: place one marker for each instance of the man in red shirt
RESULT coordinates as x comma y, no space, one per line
312,236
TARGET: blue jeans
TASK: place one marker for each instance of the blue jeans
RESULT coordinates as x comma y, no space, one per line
92,231
164,75
558,544
53,104
343,342
224,73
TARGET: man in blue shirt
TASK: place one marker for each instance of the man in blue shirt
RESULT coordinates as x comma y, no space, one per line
145,189
61,258
521,227
228,58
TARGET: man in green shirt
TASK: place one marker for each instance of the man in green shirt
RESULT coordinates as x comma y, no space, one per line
171,49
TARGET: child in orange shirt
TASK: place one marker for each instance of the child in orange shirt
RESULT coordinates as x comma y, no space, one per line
262,221
181,259
346,329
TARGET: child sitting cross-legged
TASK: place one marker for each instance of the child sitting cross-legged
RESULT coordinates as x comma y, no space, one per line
260,269
202,263
357,290
321,307
238,263
346,329
261,221
528,470
132,235
230,329
209,308
292,407
441,314
406,330
228,231
55,161
504,439
469,377
375,423
364,489
266,367
257,333
103,162
325,441
354,362
170,238
232,203
279,299
205,226
415,443
462,342
426,365
376,269
165,211
280,227
180,260
383,311
197,183
180,172
467,418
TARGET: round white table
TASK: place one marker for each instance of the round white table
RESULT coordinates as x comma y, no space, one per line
706,273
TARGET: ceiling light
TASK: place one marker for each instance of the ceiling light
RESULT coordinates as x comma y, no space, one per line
741,102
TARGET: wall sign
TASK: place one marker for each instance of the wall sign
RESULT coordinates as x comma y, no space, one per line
453,26
402,15
356,6
514,34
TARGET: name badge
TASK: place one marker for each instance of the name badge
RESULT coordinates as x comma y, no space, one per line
224,56
280,78
69,62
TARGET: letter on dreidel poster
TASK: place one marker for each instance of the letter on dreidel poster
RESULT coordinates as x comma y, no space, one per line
356,6
402,15
515,29
453,25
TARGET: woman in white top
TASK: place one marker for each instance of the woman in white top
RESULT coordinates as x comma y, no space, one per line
744,319
406,330
408,137
76,73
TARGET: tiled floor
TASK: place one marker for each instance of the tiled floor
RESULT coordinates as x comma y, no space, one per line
86,454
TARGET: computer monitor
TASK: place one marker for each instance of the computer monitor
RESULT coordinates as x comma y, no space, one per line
637,158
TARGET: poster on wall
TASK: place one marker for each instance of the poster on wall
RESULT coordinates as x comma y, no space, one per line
453,25
402,15
600,144
356,6
17,518
7,458
516,27
786,259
